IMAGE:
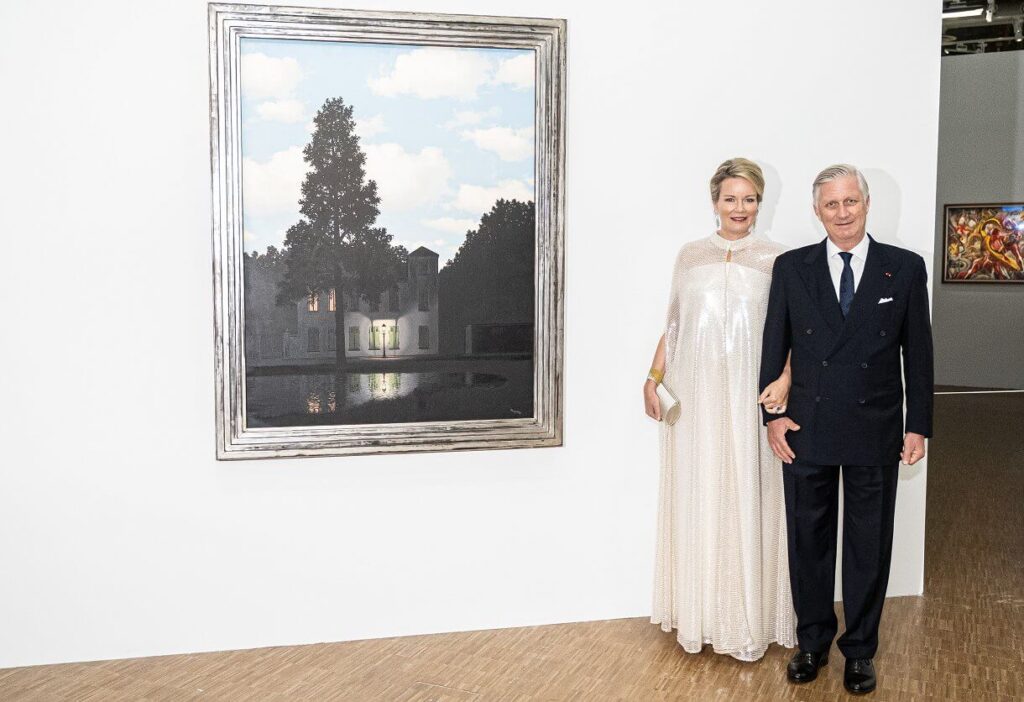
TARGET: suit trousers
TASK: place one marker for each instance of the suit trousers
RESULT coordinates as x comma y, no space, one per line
812,510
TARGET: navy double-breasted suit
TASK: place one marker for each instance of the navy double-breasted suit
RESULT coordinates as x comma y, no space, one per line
847,396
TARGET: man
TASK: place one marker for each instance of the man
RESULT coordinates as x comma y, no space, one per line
845,308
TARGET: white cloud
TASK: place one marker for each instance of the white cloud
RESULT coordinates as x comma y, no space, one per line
267,77
516,71
434,73
273,186
371,126
450,224
480,199
510,144
404,179
288,111
468,118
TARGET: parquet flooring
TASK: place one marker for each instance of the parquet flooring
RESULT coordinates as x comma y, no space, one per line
964,640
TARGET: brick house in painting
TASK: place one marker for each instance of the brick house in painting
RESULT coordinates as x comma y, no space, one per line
403,322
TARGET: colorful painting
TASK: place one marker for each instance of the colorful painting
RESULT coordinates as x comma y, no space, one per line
388,230
983,243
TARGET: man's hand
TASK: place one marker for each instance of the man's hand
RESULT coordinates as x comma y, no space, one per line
913,448
777,429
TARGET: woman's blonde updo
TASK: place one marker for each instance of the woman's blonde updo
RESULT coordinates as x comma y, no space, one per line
737,168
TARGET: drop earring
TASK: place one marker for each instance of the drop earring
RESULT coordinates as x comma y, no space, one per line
718,222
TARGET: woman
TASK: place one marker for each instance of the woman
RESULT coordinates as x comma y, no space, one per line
722,574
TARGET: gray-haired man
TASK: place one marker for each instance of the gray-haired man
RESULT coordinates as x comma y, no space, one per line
847,309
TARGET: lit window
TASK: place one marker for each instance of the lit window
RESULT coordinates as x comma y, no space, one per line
313,303
332,301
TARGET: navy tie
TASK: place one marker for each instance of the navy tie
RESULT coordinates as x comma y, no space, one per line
846,284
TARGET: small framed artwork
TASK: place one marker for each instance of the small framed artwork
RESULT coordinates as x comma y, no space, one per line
388,195
984,243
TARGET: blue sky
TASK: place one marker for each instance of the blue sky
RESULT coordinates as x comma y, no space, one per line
446,132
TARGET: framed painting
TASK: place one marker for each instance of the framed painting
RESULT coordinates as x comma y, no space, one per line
388,212
983,243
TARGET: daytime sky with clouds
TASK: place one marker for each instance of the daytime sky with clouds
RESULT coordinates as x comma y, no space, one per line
446,131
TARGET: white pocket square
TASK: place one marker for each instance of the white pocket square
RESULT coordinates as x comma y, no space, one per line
884,300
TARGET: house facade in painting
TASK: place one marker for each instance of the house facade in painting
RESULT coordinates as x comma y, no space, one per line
403,322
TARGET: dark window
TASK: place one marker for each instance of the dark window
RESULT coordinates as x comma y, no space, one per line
353,338
313,339
424,299
332,340
424,336
375,303
393,301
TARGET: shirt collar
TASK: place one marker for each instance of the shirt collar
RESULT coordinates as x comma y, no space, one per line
860,251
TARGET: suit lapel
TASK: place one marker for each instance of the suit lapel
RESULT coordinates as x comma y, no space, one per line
874,281
819,286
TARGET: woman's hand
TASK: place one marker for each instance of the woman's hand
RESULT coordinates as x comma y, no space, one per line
651,404
776,395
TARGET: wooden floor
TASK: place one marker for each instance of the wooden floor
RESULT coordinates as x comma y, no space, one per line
964,640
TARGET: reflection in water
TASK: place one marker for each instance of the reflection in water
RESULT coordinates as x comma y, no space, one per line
380,386
372,397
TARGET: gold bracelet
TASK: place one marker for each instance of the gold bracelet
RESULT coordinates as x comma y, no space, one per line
656,375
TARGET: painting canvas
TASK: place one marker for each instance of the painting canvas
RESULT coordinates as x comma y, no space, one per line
983,243
388,231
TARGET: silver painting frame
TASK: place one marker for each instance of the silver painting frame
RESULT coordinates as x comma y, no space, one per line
228,23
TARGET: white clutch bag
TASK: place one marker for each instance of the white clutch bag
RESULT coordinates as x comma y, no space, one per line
670,409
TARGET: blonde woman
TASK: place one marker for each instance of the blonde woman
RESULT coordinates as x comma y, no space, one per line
721,575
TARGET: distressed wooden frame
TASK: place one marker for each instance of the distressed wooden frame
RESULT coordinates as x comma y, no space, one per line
229,23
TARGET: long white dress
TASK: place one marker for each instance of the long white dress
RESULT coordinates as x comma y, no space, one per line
722,576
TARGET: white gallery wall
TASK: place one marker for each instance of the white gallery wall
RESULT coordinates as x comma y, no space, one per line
120,535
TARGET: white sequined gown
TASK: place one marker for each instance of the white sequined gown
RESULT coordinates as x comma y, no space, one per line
722,576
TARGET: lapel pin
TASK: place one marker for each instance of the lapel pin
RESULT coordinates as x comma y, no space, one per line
888,274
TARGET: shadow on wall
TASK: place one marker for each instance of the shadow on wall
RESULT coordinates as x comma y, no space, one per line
886,213
770,204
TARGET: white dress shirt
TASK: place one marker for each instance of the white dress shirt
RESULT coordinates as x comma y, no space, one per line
835,261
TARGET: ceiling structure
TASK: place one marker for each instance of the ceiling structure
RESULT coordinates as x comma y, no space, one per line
981,26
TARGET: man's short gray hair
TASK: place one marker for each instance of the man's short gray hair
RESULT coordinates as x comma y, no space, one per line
839,170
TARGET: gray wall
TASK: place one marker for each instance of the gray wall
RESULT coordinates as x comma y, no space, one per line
979,327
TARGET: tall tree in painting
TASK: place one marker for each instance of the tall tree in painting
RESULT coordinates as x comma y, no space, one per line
335,245
490,279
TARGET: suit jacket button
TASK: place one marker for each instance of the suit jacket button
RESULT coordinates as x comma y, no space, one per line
860,401
881,333
863,365
818,398
808,331
824,363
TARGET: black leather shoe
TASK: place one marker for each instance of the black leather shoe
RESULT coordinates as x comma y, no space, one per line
803,666
860,675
